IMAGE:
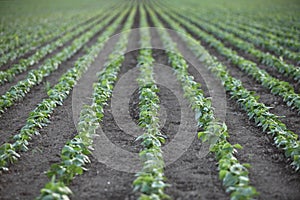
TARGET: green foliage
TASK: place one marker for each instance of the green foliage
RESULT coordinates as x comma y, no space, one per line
150,181
55,191
233,174
74,155
36,76
40,116
9,74
277,87
283,138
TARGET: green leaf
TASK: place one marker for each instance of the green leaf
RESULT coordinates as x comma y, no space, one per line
230,180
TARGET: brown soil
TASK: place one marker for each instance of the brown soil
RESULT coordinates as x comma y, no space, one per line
270,172
279,107
193,175
37,93
271,70
32,51
26,177
23,75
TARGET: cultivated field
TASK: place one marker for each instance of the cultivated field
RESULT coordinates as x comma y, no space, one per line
149,99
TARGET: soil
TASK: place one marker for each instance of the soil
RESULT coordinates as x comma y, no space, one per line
278,106
37,93
192,175
27,176
23,75
270,172
33,50
271,70
264,49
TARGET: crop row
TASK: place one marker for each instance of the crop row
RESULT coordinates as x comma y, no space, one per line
40,116
33,45
75,153
233,174
270,123
264,58
277,87
291,44
267,44
27,33
289,37
282,22
265,26
29,37
276,17
9,74
150,180
33,26
36,76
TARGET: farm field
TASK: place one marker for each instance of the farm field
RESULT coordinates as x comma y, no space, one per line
149,99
